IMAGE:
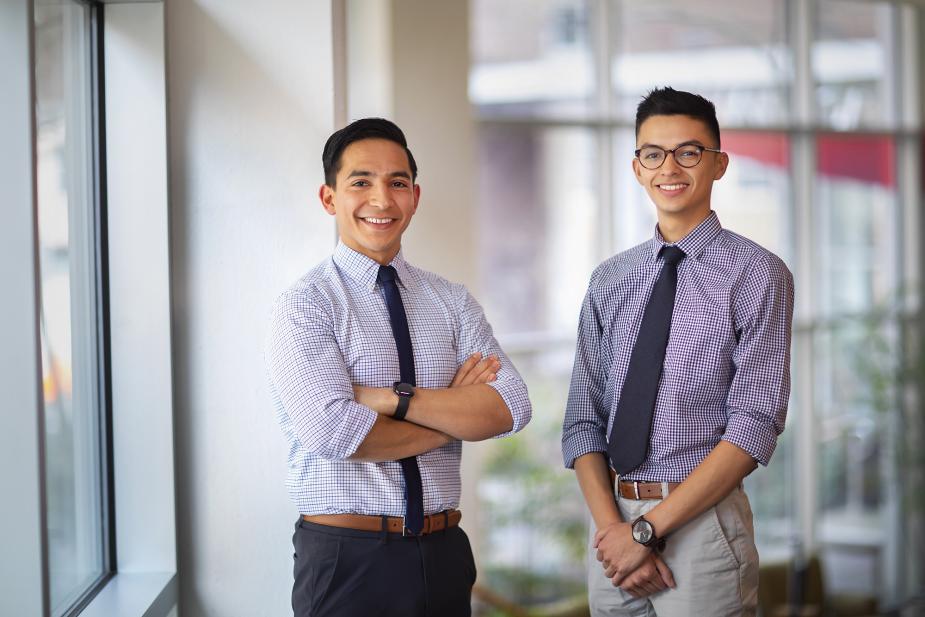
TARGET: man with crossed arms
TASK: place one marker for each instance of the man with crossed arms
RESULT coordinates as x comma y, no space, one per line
680,386
379,370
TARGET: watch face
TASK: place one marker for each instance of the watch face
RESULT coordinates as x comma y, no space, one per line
403,389
642,531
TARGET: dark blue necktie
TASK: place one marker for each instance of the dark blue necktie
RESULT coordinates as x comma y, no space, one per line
629,437
414,493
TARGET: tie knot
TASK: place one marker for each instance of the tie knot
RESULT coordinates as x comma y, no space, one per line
387,273
671,254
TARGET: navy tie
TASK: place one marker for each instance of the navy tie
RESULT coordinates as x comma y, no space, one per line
629,437
414,493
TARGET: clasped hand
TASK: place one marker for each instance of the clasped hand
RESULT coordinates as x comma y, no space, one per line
631,566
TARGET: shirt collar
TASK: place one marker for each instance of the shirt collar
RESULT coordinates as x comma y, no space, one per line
693,243
365,271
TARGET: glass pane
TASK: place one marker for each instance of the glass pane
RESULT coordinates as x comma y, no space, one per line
69,312
531,57
754,197
853,64
855,353
734,52
533,550
855,205
538,230
538,210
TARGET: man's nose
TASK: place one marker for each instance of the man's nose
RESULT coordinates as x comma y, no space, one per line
379,196
670,164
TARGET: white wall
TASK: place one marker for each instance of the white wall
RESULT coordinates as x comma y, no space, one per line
251,101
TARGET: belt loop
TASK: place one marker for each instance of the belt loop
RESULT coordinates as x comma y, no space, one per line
636,489
446,520
384,530
664,490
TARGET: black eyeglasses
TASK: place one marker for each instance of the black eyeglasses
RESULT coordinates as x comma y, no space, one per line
687,155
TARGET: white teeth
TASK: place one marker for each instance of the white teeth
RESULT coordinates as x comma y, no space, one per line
370,219
672,187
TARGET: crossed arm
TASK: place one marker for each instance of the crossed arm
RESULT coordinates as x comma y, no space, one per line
335,419
468,410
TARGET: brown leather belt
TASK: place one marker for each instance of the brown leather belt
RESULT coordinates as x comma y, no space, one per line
393,524
630,489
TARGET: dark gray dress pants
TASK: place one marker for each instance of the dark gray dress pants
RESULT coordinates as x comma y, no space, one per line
348,573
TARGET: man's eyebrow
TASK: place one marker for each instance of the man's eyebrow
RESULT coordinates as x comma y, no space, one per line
362,172
690,142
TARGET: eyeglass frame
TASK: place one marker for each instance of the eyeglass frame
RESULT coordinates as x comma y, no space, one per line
700,147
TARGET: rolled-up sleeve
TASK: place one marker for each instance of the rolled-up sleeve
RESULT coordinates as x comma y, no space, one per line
307,371
475,335
585,424
760,389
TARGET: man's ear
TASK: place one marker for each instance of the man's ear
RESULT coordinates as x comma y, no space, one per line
326,195
417,196
637,171
722,163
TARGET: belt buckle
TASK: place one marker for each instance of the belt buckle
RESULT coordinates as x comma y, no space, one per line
407,533
636,489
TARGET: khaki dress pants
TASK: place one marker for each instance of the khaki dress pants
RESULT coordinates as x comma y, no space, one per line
713,559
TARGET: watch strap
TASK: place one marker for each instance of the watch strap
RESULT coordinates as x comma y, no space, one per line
404,399
402,410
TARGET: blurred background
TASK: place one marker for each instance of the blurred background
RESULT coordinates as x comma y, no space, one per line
520,114
826,172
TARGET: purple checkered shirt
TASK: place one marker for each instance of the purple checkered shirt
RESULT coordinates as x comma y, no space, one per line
331,330
726,374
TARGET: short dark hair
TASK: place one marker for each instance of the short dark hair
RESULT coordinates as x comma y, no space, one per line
670,102
366,128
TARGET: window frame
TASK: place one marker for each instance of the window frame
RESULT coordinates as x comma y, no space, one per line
141,577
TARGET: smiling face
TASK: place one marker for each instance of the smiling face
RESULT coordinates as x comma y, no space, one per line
681,194
373,198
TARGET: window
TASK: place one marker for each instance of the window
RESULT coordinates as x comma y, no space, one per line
817,124
72,316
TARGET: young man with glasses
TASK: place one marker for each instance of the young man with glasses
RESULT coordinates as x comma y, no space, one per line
379,370
680,386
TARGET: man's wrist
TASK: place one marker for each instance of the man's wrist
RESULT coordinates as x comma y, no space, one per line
404,392
644,533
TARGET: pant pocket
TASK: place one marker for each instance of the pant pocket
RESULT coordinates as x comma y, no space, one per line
468,558
314,569
727,532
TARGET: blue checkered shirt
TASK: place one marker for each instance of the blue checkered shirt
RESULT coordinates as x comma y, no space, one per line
726,374
331,330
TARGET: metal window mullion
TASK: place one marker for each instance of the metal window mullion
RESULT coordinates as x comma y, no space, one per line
800,23
899,97
908,545
82,275
603,53
98,110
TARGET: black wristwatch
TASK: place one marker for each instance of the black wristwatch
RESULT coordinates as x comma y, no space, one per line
644,533
404,391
